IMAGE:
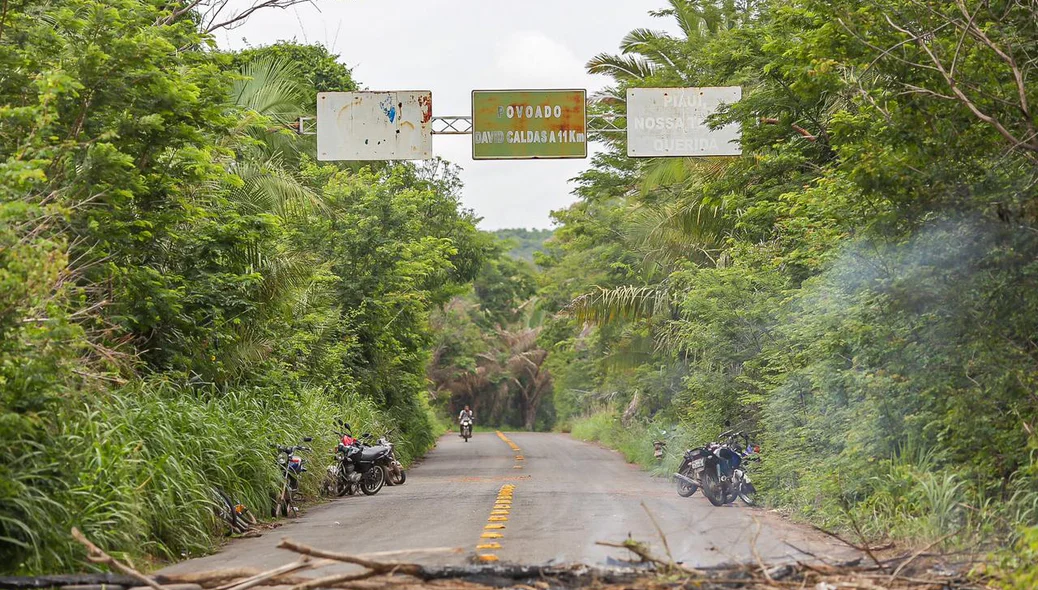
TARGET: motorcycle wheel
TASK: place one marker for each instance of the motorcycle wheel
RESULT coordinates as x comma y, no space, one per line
686,489
249,519
283,505
395,477
712,489
341,487
225,511
748,493
373,481
730,495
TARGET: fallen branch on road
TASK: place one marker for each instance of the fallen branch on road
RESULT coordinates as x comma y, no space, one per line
376,572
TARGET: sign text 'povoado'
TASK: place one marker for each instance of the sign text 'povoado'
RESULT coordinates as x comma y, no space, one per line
528,124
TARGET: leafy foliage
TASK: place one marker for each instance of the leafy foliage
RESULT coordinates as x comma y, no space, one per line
856,289
525,243
181,286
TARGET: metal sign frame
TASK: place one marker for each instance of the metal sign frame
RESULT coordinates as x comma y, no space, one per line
596,125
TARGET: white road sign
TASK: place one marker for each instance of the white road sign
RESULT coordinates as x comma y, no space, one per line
672,122
374,125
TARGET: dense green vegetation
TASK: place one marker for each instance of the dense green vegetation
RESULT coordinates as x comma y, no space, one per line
182,286
487,354
524,243
859,289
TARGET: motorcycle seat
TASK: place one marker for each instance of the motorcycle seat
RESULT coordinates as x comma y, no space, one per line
373,453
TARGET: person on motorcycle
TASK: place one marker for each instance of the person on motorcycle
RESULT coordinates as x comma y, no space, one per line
466,413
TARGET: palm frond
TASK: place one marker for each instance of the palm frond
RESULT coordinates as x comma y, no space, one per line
681,231
269,188
649,44
609,96
664,172
272,88
625,68
621,303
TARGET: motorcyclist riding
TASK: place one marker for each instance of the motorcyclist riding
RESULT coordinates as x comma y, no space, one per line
465,414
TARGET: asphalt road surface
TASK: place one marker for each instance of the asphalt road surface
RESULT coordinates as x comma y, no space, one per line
554,496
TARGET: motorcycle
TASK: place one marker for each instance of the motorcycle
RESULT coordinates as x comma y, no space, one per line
292,468
466,428
690,472
357,466
395,474
741,483
724,478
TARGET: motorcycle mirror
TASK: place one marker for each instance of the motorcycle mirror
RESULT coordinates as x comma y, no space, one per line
346,425
308,439
727,423
366,435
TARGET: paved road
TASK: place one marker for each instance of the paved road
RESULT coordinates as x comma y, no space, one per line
566,496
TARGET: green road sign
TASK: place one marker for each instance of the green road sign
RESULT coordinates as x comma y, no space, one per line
528,124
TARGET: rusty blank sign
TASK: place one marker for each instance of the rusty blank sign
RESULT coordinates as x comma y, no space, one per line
374,125
528,124
672,122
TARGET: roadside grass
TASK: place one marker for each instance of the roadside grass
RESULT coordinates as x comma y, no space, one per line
634,441
912,500
134,470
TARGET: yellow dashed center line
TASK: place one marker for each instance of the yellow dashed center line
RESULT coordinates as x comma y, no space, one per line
515,448
501,511
499,514
494,545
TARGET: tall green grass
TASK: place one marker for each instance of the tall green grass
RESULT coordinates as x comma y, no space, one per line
634,441
914,498
134,470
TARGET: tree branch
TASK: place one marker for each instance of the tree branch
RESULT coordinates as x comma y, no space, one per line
961,96
96,555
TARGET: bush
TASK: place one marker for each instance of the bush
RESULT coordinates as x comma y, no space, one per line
134,470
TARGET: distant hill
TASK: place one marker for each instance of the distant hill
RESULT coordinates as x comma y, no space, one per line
524,241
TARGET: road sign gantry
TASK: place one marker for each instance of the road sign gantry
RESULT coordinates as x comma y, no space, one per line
521,124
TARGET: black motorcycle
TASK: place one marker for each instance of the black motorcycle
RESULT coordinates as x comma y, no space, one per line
357,466
690,472
292,468
723,478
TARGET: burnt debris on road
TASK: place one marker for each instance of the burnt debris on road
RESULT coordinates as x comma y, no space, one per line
375,572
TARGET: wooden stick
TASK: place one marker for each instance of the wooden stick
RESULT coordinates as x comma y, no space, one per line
380,567
905,563
213,577
430,551
303,563
334,579
96,555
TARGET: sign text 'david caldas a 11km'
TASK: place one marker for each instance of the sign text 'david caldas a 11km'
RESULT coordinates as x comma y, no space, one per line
528,124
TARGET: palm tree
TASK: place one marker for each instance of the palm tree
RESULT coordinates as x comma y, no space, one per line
524,365
269,95
679,224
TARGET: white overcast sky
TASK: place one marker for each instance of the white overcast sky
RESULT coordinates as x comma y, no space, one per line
452,47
